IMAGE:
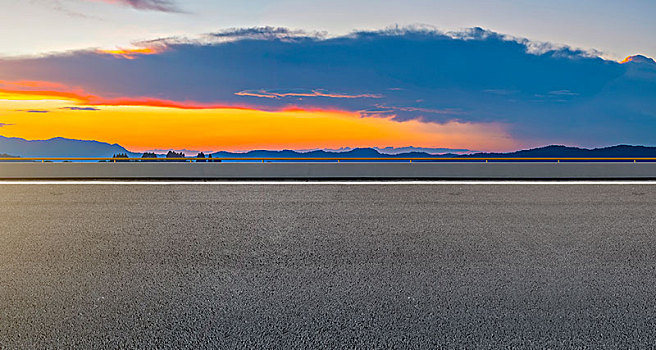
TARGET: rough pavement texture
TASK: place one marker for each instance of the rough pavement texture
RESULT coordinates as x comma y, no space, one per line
327,266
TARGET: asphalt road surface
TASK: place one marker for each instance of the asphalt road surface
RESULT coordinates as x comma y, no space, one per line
327,266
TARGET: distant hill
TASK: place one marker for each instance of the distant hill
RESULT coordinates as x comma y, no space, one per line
60,147
542,152
618,151
437,151
354,153
4,155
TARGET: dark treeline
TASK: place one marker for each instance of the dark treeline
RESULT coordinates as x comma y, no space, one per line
202,158
171,156
120,157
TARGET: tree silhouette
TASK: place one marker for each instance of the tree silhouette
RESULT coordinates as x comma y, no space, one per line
120,157
147,156
173,154
200,155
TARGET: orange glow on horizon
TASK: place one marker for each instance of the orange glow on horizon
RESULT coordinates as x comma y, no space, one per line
141,124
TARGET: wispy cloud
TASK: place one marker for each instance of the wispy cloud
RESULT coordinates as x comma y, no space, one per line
58,6
412,112
562,93
5,124
153,5
302,93
266,33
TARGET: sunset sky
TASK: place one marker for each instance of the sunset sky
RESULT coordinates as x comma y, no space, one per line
224,75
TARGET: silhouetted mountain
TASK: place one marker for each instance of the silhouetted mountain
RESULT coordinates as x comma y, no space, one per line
542,152
619,151
60,147
354,153
410,149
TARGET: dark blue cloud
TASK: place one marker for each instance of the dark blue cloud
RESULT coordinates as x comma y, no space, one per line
81,108
32,111
543,92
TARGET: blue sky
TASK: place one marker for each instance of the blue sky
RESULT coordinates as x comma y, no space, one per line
484,75
616,28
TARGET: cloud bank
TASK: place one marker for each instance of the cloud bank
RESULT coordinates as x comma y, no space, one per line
543,93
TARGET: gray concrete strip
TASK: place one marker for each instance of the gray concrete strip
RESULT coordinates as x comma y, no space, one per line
344,170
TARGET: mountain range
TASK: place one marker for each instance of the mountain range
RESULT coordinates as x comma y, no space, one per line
62,147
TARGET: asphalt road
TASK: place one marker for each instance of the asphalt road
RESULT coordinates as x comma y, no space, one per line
327,266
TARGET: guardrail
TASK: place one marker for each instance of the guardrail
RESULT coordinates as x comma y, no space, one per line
333,159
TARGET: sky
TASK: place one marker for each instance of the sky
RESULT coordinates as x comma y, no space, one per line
261,74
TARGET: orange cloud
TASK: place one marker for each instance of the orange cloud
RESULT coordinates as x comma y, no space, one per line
40,90
131,54
627,60
154,102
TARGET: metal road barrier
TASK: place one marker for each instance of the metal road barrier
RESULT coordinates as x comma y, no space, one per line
329,168
329,159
